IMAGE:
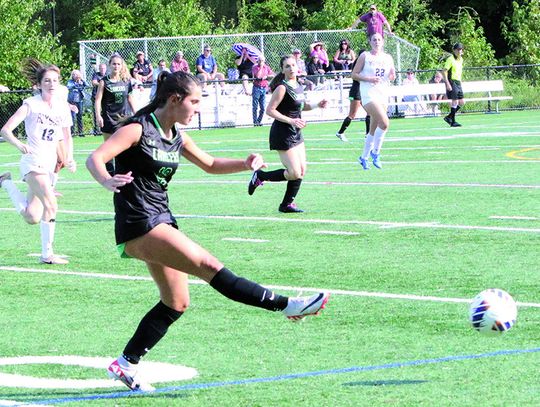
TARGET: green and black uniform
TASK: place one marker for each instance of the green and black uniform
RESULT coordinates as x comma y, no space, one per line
114,103
454,68
144,203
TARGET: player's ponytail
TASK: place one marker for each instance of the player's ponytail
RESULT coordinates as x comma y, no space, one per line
34,70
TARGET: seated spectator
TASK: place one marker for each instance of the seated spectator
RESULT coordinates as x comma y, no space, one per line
179,63
162,67
317,48
142,69
245,64
76,86
437,78
207,69
302,72
315,70
261,73
416,108
344,56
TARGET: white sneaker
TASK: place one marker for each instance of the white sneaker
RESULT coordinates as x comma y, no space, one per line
53,260
4,176
128,375
300,307
342,137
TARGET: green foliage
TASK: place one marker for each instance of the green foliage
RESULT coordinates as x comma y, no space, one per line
267,16
335,14
23,36
465,27
108,20
521,31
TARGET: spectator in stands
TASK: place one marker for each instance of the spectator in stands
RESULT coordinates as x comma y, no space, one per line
76,86
436,78
179,63
142,69
318,49
96,77
162,67
261,73
245,64
452,77
344,56
375,21
207,69
315,70
416,108
302,71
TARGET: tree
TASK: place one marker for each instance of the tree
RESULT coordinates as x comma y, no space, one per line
521,31
335,14
108,20
267,16
23,36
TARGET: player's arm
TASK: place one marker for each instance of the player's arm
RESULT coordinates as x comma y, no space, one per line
355,74
12,123
97,103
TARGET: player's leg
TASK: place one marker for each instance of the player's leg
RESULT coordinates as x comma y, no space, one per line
294,160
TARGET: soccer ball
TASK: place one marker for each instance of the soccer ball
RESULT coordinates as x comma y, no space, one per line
493,311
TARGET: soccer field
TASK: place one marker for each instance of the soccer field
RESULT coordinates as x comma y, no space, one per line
402,250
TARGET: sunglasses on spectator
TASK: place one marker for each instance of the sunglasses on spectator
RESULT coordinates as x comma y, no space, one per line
207,49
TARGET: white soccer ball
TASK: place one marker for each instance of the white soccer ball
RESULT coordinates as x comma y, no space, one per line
493,311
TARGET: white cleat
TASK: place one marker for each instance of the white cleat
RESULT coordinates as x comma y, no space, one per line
4,176
342,137
53,260
300,307
128,376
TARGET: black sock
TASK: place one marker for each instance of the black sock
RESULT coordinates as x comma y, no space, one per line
345,124
272,176
452,114
151,329
368,122
292,189
247,292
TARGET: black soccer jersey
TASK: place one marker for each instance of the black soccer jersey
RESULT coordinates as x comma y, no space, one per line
114,103
283,135
143,204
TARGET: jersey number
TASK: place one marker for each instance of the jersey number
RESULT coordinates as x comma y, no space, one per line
47,134
379,72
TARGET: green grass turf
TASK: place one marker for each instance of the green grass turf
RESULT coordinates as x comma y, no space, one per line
437,190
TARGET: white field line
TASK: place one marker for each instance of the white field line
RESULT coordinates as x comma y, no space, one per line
515,217
242,239
336,232
5,403
381,224
352,293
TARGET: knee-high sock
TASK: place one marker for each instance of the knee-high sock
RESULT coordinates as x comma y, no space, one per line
344,125
247,292
367,146
47,229
151,329
292,190
272,176
378,139
17,198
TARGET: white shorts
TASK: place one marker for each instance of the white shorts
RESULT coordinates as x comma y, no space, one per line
30,163
370,93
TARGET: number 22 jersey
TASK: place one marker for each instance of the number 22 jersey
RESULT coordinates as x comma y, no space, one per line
376,65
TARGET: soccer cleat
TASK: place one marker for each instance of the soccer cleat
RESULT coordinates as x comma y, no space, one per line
364,163
342,137
448,120
289,208
300,307
455,124
128,376
376,160
4,176
53,260
254,183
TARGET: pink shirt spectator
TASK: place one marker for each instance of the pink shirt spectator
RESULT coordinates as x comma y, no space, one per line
179,63
260,72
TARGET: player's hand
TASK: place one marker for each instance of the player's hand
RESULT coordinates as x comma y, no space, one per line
323,103
254,162
298,123
376,80
99,121
24,148
118,180
71,166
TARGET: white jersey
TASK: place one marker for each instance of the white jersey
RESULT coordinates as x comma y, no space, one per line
376,65
44,128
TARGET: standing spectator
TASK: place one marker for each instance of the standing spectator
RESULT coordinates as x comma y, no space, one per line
374,70
375,21
142,69
317,49
302,70
96,77
344,56
179,63
245,64
285,108
436,78
453,68
355,103
148,149
162,67
261,72
207,69
47,120
113,99
76,86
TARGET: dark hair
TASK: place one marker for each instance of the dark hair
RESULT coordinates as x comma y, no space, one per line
178,83
35,70
280,76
